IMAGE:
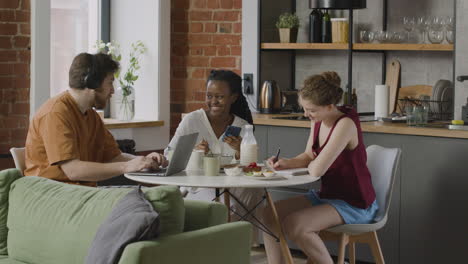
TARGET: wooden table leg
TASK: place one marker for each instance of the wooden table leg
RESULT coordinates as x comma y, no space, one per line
283,244
227,202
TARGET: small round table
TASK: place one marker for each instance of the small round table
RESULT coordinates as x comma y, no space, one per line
196,178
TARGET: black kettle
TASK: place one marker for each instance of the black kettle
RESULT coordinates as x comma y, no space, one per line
270,98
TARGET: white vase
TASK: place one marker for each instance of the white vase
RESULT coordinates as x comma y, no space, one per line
125,103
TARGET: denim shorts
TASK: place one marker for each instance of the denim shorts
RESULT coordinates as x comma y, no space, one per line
349,213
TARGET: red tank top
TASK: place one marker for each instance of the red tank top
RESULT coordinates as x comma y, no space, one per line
348,178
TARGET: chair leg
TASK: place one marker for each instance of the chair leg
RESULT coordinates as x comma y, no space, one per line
375,248
352,251
341,248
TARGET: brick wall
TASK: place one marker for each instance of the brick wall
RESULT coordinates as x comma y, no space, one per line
14,74
205,35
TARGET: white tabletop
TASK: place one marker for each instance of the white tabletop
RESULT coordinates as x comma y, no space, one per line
196,179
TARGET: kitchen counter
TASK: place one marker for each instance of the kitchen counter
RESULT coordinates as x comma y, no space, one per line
371,127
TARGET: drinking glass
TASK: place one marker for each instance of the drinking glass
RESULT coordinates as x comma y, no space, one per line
398,37
366,36
410,115
408,24
424,115
211,164
449,23
435,36
449,36
436,23
421,26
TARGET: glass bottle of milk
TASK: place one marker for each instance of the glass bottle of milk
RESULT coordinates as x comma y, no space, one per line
248,148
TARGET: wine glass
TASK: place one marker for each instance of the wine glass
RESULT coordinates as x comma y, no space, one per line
449,36
421,26
408,24
449,23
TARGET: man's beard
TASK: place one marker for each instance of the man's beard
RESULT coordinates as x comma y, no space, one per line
99,102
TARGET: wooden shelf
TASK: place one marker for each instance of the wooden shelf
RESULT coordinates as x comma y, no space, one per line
356,46
415,47
111,123
305,46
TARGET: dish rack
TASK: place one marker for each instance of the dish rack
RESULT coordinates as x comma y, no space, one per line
438,110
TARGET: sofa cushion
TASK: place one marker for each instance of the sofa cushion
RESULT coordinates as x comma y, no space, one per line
7,260
132,219
7,177
52,222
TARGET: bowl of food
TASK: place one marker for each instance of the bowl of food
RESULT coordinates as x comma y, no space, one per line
232,170
252,170
269,173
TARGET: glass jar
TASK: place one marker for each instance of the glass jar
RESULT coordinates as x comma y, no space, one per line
340,29
125,103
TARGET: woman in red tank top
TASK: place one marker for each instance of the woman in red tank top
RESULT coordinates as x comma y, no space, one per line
335,152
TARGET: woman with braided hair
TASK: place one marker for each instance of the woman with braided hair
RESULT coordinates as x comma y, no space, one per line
335,152
226,106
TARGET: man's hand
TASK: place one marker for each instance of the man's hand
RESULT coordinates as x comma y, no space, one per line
140,163
160,159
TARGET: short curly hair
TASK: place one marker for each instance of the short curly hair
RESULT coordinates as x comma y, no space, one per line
322,89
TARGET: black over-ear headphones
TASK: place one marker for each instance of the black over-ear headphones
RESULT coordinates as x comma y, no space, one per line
91,79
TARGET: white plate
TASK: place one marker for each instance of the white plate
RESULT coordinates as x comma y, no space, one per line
263,178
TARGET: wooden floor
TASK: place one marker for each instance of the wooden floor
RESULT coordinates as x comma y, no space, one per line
258,256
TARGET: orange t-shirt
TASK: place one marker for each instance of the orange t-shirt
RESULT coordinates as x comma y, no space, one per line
59,131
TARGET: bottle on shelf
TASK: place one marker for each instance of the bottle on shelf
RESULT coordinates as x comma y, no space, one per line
248,148
354,99
345,98
326,28
315,26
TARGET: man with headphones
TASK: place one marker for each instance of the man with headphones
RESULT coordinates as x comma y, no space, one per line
67,140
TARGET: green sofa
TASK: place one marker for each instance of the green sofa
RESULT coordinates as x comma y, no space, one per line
48,222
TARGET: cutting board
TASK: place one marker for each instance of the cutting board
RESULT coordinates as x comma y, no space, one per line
392,80
414,91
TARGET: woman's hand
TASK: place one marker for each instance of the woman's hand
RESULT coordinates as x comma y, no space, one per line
234,143
280,164
203,145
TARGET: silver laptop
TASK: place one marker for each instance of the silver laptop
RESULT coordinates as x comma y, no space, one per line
179,159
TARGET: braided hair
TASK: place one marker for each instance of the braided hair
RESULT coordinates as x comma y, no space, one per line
240,107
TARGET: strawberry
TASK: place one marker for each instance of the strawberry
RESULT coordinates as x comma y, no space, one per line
253,165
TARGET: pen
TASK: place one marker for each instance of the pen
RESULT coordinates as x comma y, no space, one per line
277,154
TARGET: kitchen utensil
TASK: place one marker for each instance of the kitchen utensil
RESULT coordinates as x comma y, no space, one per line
414,91
442,94
270,98
392,79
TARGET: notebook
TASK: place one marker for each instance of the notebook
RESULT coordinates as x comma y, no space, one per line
293,172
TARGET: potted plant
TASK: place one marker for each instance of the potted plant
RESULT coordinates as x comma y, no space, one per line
125,94
288,23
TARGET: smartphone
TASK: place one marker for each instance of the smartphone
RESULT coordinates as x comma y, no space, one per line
233,131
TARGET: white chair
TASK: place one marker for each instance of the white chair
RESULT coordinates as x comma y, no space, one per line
18,158
383,164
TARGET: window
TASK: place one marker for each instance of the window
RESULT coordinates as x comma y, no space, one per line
148,21
73,29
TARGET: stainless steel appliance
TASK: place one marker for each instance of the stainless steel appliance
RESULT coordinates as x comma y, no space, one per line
270,98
